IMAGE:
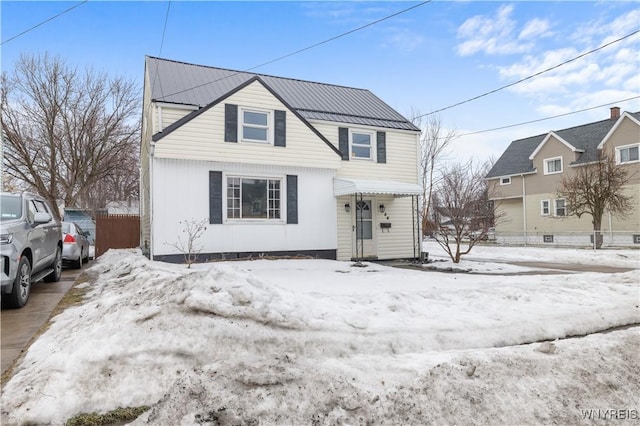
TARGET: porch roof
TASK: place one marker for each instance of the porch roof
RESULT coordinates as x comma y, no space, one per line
344,186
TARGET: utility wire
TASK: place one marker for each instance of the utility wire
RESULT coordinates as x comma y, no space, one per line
164,30
305,48
547,118
43,22
529,77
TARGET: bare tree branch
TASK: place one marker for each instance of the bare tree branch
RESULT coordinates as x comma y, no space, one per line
595,188
69,135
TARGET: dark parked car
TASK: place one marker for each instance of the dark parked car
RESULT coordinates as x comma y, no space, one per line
75,247
30,246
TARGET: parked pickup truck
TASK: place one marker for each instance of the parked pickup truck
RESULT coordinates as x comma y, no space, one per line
30,246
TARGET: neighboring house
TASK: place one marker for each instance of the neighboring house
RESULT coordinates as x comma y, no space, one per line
525,180
276,166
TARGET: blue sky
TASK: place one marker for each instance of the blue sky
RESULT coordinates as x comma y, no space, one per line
429,58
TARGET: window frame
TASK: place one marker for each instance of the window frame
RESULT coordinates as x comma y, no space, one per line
619,150
268,127
269,207
372,144
542,207
508,180
564,207
554,159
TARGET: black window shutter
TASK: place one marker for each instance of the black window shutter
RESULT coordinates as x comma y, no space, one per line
292,199
280,133
343,142
215,197
230,123
381,147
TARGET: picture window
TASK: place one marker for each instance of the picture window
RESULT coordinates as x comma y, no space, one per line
253,198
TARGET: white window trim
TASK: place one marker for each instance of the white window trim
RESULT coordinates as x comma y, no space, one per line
508,182
269,126
555,207
620,148
373,147
542,213
239,220
546,162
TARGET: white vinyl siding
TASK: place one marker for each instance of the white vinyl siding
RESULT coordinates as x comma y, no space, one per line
181,192
393,243
168,115
401,152
202,138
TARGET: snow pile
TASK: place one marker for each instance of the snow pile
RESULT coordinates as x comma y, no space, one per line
313,341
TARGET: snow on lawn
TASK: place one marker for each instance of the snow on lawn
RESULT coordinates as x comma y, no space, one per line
322,342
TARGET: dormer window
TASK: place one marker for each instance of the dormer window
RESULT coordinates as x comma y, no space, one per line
627,154
255,126
552,165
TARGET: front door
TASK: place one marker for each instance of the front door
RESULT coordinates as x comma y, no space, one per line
364,246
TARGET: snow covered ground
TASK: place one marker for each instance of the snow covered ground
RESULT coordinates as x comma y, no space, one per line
322,342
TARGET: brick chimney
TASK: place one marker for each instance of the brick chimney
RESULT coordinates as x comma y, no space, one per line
615,113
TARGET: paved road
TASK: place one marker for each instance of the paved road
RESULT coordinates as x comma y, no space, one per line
18,326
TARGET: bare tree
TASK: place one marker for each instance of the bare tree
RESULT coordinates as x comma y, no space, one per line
463,211
193,229
434,143
67,133
596,187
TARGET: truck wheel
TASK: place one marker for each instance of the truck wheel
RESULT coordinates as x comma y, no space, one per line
54,276
22,284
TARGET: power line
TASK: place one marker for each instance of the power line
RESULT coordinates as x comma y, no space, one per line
305,48
529,77
44,22
164,30
547,118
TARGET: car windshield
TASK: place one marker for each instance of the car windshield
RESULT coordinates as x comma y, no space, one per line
11,207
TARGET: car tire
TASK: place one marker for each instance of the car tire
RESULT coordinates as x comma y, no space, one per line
21,285
54,276
78,263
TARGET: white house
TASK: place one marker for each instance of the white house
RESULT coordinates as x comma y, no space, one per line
276,166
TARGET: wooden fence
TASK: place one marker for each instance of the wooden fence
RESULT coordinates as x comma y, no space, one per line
116,231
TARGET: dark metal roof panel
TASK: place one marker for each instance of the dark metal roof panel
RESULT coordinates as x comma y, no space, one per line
182,83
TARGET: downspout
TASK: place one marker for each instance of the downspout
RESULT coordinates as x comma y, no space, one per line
152,150
610,228
524,209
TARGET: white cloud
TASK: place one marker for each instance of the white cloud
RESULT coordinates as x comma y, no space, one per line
535,28
494,35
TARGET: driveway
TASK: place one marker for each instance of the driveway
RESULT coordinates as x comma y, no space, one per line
20,325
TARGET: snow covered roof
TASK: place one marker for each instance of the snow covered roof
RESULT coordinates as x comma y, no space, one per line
342,186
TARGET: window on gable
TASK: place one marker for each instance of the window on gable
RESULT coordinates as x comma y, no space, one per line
560,207
362,145
553,165
544,207
627,154
255,125
505,181
253,198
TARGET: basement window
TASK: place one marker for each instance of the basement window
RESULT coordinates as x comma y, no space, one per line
547,238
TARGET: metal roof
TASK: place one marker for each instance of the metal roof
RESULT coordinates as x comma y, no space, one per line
190,84
342,186
515,159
